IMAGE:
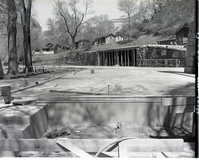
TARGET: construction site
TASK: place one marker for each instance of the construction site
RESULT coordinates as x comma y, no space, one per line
105,111
110,101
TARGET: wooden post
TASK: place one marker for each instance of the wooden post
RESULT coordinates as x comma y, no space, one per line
128,57
125,57
112,58
132,59
118,58
121,58
109,58
100,58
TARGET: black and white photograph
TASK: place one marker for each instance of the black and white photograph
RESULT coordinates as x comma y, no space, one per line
98,78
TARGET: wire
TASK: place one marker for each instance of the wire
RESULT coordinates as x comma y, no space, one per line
111,144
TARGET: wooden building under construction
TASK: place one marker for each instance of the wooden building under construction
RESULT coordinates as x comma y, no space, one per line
135,56
123,56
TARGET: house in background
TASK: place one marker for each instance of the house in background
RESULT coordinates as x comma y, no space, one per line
119,38
182,35
83,43
51,48
169,41
108,39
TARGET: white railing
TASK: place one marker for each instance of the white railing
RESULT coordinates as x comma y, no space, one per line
160,63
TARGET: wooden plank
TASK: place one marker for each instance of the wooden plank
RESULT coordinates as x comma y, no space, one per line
154,145
88,145
24,101
74,149
123,150
93,145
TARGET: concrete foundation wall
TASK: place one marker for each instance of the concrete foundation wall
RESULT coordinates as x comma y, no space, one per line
23,122
144,113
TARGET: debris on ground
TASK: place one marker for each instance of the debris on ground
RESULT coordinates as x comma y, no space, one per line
123,129
57,133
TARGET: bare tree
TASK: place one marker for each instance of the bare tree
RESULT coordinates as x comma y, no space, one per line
12,32
72,16
25,6
129,8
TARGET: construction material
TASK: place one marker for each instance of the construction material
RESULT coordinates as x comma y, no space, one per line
38,84
6,93
24,101
85,93
74,149
23,121
93,145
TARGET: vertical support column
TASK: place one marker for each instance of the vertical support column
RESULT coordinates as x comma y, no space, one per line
99,61
125,57
114,61
190,64
112,53
102,58
109,58
107,54
133,57
118,58
98,58
121,58
128,57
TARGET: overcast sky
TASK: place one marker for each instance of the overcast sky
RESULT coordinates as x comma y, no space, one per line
43,9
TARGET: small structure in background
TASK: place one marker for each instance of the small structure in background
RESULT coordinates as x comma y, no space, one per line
110,38
119,38
83,43
169,41
182,35
50,49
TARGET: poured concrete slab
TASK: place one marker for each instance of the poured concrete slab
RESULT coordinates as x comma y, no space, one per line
119,81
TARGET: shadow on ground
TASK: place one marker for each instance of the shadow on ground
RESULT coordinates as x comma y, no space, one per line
179,73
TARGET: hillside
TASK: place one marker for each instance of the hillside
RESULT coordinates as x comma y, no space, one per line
170,17
163,21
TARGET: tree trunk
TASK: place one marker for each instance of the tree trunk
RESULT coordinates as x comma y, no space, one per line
27,39
12,32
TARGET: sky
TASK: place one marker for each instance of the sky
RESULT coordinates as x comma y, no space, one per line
43,9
